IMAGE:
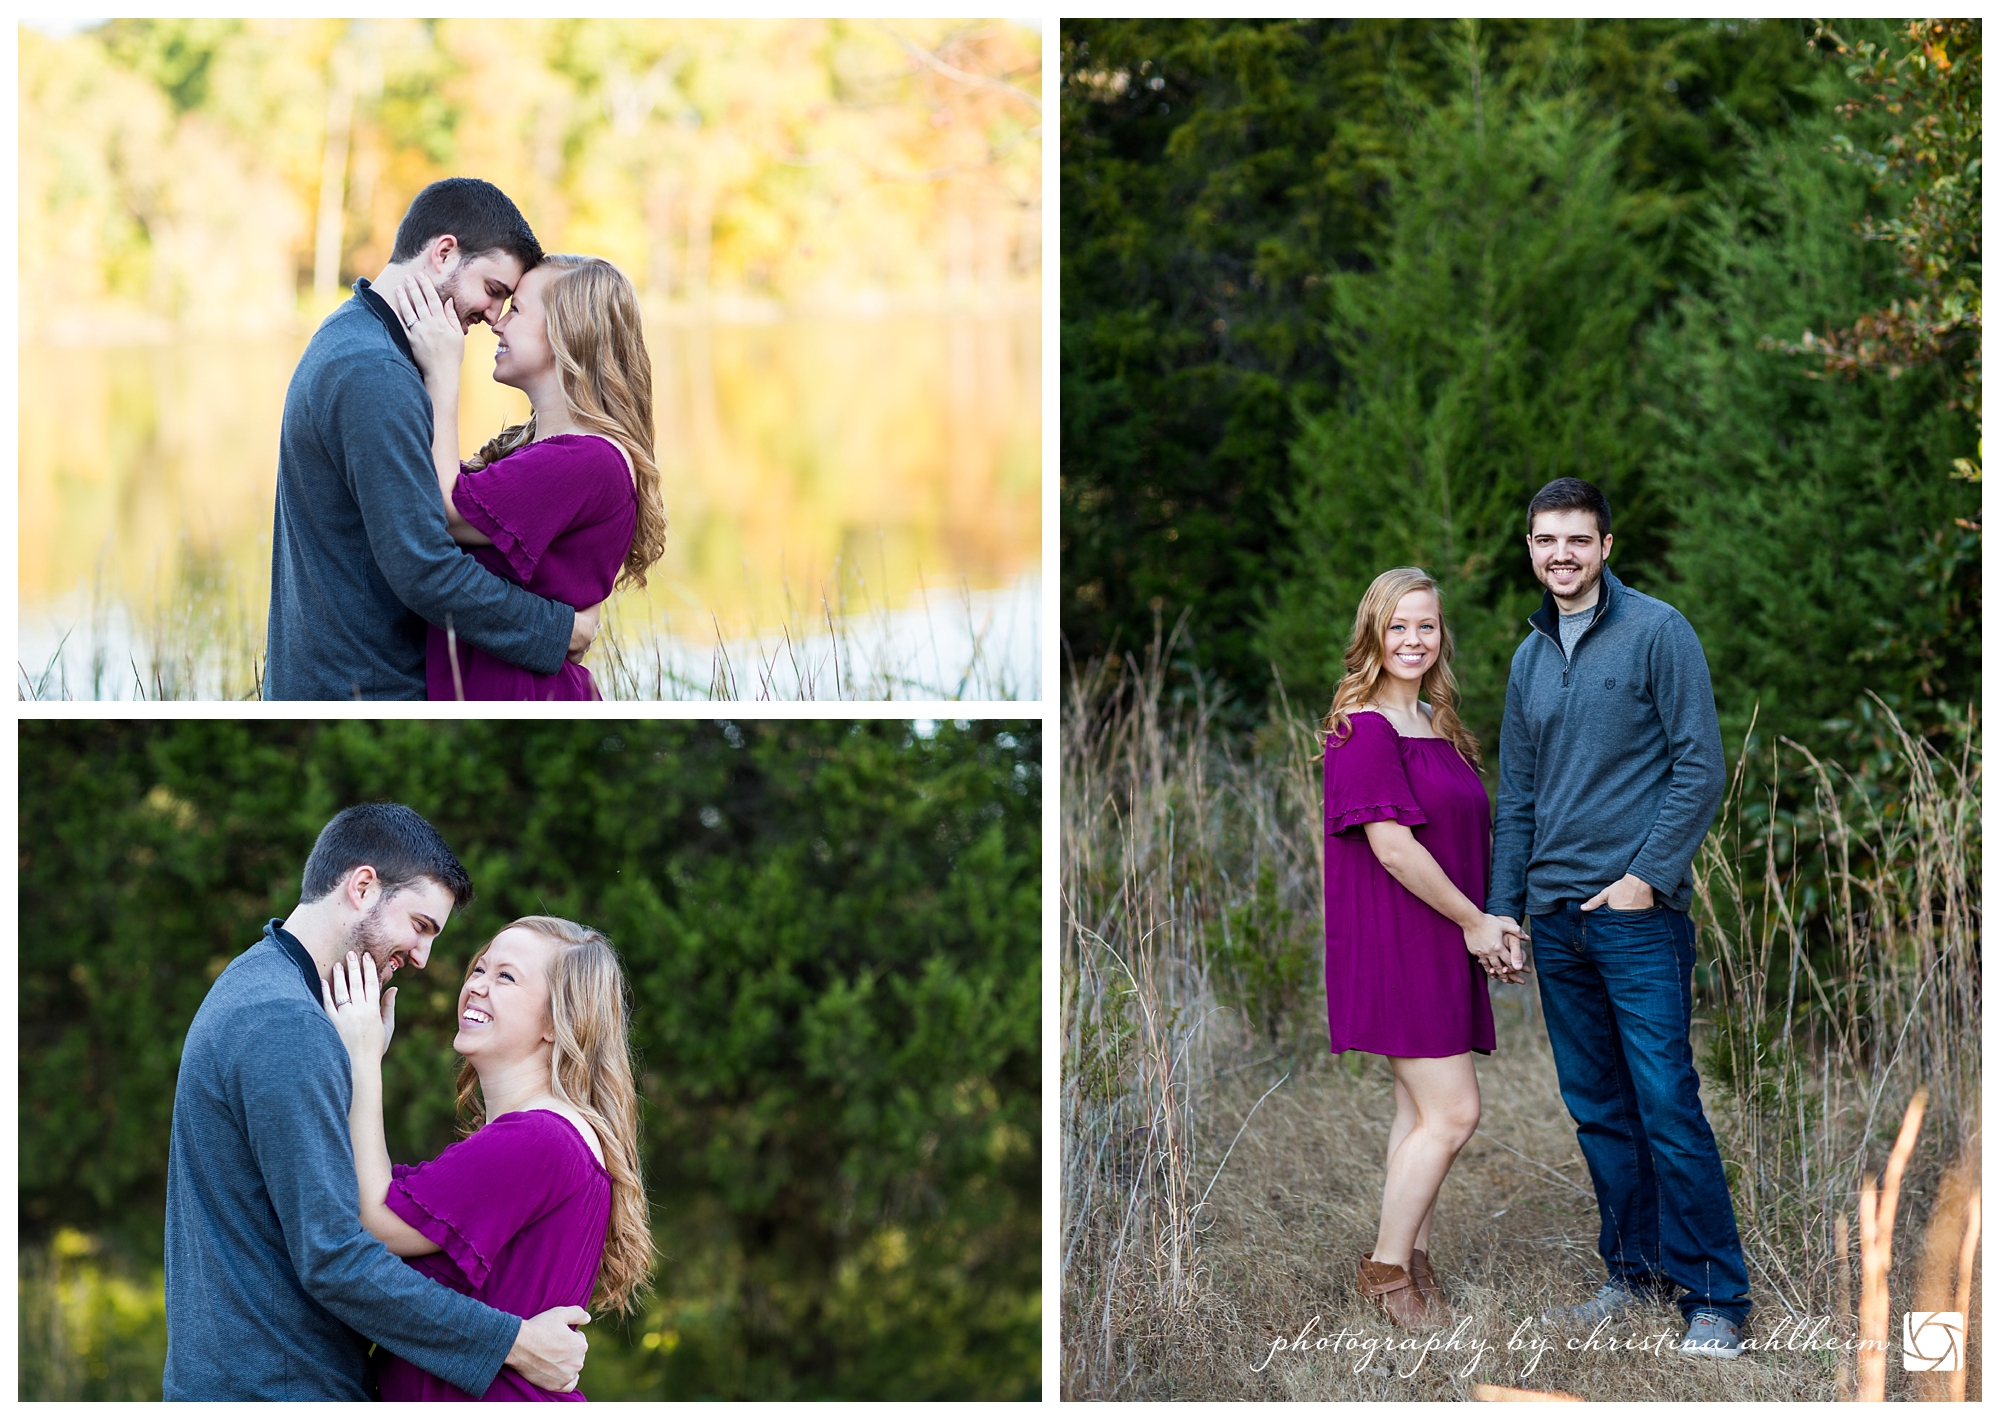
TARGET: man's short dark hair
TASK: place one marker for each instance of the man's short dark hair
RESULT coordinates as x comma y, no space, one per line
1565,495
393,840
480,215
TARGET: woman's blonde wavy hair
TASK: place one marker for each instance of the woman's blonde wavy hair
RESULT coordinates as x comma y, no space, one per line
600,348
1365,666
590,1069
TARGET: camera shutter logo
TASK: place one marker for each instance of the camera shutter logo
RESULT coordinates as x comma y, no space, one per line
1933,1341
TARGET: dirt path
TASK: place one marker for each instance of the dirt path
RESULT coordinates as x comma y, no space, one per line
1515,1231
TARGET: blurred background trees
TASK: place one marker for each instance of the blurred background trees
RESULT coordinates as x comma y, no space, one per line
834,227
832,934
205,173
1341,294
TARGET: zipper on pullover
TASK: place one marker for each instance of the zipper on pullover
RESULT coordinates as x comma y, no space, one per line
1557,643
1603,599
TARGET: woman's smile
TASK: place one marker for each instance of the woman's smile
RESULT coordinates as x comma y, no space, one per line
1414,636
503,1008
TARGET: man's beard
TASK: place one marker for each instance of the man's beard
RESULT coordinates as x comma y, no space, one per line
1582,589
447,290
369,938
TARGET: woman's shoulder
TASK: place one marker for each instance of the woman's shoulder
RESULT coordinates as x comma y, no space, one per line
1367,719
552,1123
573,455
599,453
1365,724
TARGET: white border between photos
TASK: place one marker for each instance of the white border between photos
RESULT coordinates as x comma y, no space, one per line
1051,687
10,596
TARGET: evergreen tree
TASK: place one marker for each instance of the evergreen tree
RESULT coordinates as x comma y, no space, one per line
1214,174
1816,548
1488,352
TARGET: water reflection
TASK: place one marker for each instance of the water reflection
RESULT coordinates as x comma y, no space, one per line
855,481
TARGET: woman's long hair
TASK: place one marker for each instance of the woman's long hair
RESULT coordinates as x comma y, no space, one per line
1365,667
600,348
590,1069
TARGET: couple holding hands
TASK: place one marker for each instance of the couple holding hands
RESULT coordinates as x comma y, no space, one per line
1611,769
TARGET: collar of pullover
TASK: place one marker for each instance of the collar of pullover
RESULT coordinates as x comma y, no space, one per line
382,311
1547,617
295,949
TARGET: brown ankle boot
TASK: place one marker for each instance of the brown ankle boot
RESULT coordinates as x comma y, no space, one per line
1390,1288
1434,1300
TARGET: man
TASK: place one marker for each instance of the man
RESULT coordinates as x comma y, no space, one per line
274,1289
1611,770
360,555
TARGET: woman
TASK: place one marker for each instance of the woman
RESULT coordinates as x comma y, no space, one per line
1408,846
540,1205
568,503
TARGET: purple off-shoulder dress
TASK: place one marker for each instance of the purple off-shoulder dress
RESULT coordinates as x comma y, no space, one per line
1399,980
561,512
520,1208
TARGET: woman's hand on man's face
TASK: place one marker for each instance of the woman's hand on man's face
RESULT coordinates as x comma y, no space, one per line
360,1010
431,323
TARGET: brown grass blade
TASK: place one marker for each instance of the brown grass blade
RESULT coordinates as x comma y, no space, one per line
1968,1259
1878,1229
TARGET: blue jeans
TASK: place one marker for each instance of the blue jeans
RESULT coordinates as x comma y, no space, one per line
1617,992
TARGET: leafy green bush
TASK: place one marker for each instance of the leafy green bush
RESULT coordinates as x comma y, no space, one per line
1265,958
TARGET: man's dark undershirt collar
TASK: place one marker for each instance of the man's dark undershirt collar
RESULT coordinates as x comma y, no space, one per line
383,312
1547,617
301,958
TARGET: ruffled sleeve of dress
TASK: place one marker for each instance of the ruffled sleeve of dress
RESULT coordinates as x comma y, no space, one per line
474,1197
1365,778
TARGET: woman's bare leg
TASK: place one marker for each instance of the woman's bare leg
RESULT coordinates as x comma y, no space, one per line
1406,1120
1443,1101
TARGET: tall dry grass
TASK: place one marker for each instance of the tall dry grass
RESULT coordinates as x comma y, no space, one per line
1219,1172
1184,881
202,640
206,642
1842,946
839,647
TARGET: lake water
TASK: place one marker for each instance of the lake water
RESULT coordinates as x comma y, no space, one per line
854,513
